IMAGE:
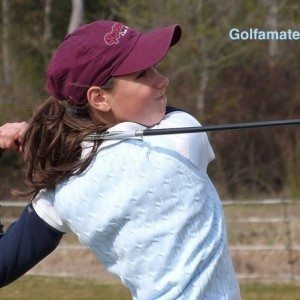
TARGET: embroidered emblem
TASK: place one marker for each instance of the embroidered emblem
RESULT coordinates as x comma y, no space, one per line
117,30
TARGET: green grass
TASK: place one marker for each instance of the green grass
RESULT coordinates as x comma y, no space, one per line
256,291
46,288
50,288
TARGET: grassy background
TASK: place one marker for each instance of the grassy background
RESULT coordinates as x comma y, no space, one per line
46,288
39,287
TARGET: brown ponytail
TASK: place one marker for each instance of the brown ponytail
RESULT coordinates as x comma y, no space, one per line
52,144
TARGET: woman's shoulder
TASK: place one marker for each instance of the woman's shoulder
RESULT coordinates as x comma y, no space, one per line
116,152
174,117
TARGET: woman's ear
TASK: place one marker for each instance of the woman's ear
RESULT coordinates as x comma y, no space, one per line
97,98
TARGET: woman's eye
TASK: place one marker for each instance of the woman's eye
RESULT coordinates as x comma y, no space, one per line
142,74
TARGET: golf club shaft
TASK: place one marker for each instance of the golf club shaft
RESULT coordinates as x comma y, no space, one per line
207,128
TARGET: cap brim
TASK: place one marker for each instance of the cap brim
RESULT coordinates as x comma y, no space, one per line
150,48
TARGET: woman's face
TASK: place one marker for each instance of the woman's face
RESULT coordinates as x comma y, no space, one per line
139,97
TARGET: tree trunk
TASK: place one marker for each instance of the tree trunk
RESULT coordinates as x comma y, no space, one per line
204,65
47,22
77,15
204,79
5,41
272,24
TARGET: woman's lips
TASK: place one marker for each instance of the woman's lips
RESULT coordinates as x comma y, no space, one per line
163,97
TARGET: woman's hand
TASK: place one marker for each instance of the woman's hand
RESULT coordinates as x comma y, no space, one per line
11,136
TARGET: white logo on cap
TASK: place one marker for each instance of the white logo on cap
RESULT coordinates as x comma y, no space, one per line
117,30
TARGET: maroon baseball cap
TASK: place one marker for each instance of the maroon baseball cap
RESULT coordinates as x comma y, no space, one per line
94,52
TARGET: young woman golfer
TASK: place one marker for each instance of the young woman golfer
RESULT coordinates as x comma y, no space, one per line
144,206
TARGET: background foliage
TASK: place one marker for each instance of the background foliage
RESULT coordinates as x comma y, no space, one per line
218,80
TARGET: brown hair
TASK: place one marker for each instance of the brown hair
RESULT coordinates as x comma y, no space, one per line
52,143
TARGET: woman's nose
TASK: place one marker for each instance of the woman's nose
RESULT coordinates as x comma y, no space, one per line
161,81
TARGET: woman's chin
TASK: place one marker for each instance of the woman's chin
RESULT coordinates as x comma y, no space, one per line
155,120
